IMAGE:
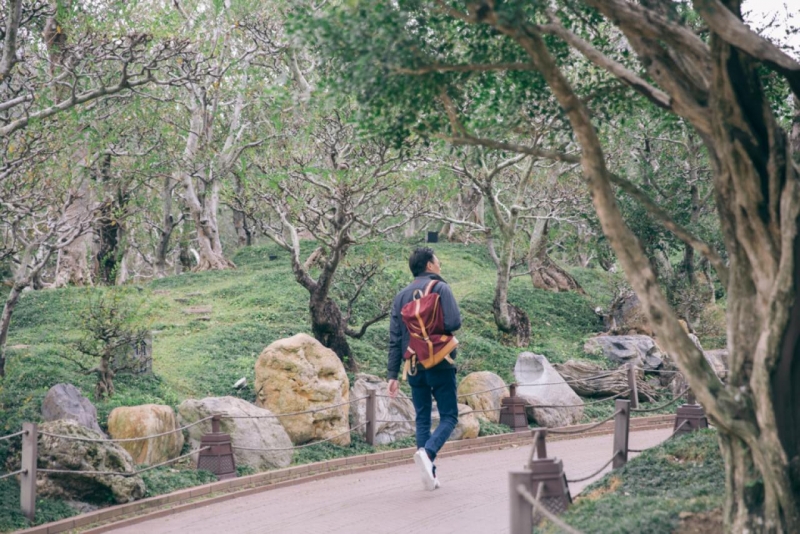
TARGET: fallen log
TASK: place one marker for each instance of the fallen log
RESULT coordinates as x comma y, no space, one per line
578,375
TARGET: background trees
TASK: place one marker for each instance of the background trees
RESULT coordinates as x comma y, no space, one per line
123,127
323,182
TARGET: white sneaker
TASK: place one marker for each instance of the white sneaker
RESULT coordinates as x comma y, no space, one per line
436,483
426,469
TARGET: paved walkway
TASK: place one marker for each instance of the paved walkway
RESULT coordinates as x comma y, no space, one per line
473,499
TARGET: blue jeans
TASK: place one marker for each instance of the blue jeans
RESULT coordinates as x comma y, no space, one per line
441,384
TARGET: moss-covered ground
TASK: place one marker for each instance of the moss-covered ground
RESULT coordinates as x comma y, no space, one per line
654,492
198,355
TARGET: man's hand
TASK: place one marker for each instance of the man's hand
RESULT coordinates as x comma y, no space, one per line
394,387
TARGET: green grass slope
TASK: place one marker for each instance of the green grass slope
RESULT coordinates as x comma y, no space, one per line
198,355
664,490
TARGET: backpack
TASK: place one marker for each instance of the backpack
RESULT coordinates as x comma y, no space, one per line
428,343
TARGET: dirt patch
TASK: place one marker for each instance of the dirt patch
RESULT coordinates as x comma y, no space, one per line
613,485
701,523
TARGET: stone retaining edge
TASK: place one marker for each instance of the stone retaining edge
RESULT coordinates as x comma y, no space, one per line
190,498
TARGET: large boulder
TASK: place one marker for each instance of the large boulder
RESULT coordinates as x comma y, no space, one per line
299,374
468,426
147,420
626,316
250,426
473,391
77,456
620,350
541,385
64,401
396,415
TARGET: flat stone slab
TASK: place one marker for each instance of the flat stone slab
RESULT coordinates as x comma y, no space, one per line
198,310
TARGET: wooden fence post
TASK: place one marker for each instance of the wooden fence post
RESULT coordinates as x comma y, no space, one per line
521,519
634,394
372,423
30,441
621,427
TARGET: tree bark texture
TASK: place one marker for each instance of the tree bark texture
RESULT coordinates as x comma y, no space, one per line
327,320
203,204
717,88
5,322
329,328
168,224
545,273
110,227
72,266
510,320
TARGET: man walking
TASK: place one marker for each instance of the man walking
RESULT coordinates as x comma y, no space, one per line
437,382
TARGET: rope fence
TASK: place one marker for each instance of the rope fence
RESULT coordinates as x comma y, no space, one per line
355,428
537,506
587,403
595,473
185,427
216,441
126,440
292,414
587,429
674,433
15,473
515,384
662,406
12,436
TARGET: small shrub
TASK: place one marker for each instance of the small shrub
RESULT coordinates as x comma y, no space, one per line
167,479
328,451
492,429
111,327
711,327
11,517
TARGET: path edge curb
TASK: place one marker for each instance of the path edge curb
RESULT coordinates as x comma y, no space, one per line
113,517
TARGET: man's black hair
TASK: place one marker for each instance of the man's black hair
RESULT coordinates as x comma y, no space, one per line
419,259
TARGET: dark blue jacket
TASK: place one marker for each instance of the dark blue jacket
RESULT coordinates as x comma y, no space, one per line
398,333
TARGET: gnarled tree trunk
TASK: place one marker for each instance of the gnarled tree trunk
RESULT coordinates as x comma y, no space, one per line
330,329
168,225
202,205
545,273
244,234
718,89
510,319
72,267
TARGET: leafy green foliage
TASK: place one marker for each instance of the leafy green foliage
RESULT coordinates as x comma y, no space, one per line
168,479
113,326
492,429
328,451
685,474
11,518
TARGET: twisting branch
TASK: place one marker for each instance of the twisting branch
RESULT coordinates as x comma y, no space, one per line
669,223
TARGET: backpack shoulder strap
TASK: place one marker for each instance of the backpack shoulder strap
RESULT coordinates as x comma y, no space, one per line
429,287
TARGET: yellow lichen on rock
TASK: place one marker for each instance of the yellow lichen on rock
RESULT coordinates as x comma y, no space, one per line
299,374
146,420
